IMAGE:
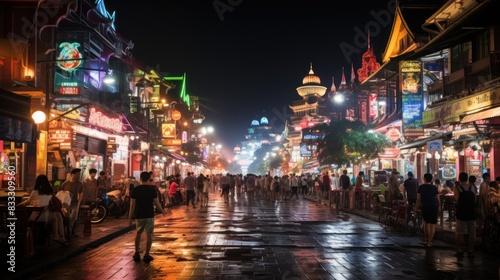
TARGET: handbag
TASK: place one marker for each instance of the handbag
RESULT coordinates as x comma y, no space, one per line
55,204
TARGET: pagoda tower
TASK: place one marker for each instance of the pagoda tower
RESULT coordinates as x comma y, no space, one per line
369,64
306,113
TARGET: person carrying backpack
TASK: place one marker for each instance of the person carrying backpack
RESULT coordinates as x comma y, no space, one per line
410,188
465,199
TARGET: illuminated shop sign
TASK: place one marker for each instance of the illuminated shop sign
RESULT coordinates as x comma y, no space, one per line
411,88
184,96
69,57
61,135
69,90
312,137
168,130
100,119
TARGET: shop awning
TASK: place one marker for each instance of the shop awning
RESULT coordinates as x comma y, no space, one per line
15,106
486,114
423,141
130,125
16,123
176,156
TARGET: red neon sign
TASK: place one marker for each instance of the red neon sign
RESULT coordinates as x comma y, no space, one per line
102,120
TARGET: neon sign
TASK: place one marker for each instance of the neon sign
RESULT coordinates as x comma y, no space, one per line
100,119
183,95
69,57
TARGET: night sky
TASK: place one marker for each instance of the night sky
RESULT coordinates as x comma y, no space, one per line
245,59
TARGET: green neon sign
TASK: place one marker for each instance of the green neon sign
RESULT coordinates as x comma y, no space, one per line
184,96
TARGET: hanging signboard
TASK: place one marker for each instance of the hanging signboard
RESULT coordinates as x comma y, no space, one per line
435,145
411,88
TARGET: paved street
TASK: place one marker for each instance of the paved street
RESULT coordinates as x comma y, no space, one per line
295,239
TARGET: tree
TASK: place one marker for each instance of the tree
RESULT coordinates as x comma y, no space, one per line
256,167
347,142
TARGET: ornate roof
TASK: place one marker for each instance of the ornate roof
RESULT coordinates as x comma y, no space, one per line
311,78
311,85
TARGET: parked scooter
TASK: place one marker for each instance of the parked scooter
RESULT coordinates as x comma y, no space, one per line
112,203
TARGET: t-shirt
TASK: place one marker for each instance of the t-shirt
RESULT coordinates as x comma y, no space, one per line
428,193
89,190
74,188
173,188
189,183
199,181
345,182
411,186
144,196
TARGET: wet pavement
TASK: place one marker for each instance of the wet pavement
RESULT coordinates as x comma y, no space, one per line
259,239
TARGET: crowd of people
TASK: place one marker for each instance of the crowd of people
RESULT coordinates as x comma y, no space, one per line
72,193
472,202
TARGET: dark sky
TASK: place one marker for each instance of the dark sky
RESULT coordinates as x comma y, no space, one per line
245,59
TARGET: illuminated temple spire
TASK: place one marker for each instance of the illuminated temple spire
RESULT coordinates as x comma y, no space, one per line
369,64
343,84
333,88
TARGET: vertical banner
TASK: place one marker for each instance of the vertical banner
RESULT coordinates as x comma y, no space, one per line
411,89
41,153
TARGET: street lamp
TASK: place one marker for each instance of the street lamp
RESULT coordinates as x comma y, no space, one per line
39,117
340,100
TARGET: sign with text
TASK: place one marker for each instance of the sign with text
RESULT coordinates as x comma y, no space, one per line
435,145
171,142
411,89
61,135
100,119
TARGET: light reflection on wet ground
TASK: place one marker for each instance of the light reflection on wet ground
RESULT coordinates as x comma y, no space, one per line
295,239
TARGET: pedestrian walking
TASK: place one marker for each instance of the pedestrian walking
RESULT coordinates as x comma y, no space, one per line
144,199
225,182
189,185
428,198
465,198
410,186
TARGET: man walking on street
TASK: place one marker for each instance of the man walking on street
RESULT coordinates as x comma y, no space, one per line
199,187
428,198
410,188
143,200
465,199
189,184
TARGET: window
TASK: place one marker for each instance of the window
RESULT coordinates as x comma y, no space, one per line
481,47
459,56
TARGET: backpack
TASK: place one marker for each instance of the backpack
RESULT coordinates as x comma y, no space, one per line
466,204
55,205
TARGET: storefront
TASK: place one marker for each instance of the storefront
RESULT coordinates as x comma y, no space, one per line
76,144
17,140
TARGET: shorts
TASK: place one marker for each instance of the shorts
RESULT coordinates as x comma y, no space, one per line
429,214
465,227
146,224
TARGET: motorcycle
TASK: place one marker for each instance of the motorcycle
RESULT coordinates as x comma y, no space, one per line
111,203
